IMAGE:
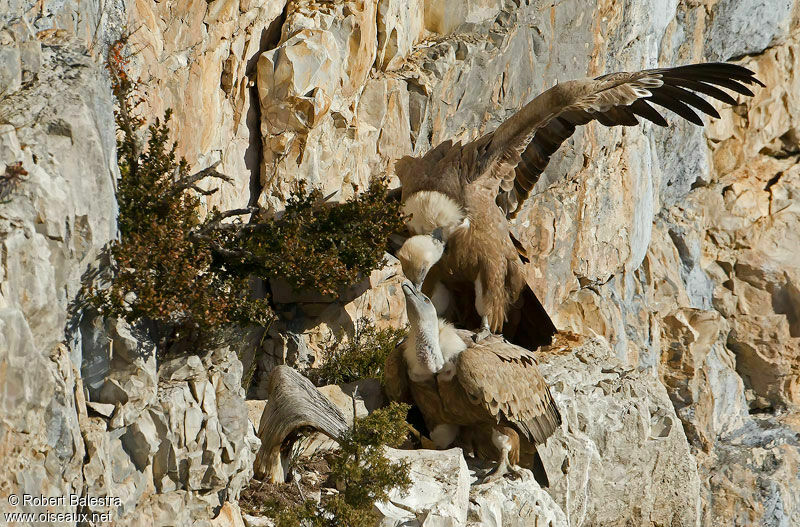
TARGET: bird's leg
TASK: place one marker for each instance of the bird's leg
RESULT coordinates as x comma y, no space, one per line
502,468
503,443
482,309
484,330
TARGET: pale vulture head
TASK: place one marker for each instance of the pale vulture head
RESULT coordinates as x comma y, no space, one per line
418,254
421,311
427,211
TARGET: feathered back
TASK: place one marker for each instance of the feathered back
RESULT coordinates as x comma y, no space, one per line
505,381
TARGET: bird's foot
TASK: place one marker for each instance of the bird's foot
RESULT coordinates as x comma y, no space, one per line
481,334
495,475
501,470
520,473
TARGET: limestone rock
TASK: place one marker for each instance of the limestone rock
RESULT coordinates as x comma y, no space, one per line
444,492
182,448
439,493
229,516
621,456
55,115
257,521
444,18
128,378
516,503
739,28
400,26
198,58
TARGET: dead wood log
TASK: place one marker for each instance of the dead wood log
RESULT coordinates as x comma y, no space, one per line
294,405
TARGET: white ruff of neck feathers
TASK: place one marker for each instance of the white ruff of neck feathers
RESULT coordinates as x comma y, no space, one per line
452,346
430,209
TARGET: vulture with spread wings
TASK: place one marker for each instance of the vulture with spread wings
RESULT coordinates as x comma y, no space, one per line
470,192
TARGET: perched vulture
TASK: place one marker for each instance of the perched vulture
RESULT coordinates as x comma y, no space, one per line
487,396
471,191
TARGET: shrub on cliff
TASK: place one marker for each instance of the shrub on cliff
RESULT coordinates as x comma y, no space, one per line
190,276
360,357
360,471
162,271
314,245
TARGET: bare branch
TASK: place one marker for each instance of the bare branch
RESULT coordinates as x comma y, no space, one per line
203,191
228,253
206,172
214,223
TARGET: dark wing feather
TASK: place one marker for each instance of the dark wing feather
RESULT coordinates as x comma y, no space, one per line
521,147
676,105
642,108
504,380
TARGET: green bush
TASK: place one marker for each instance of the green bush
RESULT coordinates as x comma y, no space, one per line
314,245
163,272
191,276
361,357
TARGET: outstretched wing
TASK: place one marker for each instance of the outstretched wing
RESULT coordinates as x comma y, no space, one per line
519,149
505,381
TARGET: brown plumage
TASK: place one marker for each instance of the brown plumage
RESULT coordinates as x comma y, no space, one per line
495,381
483,387
489,179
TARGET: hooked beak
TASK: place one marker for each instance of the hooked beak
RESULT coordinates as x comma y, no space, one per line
409,289
414,298
415,301
421,279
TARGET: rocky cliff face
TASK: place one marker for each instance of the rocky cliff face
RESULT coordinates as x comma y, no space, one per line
678,246
84,411
55,115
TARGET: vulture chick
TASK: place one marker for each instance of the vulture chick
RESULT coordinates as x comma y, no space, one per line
485,392
472,191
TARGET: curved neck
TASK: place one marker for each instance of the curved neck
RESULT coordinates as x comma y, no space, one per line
424,352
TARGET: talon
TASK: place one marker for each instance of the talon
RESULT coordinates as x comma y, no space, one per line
520,473
484,330
480,335
496,473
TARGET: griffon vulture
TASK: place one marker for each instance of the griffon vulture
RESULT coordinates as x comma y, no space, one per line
471,191
487,396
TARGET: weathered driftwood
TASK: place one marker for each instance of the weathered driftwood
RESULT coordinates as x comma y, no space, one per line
293,404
